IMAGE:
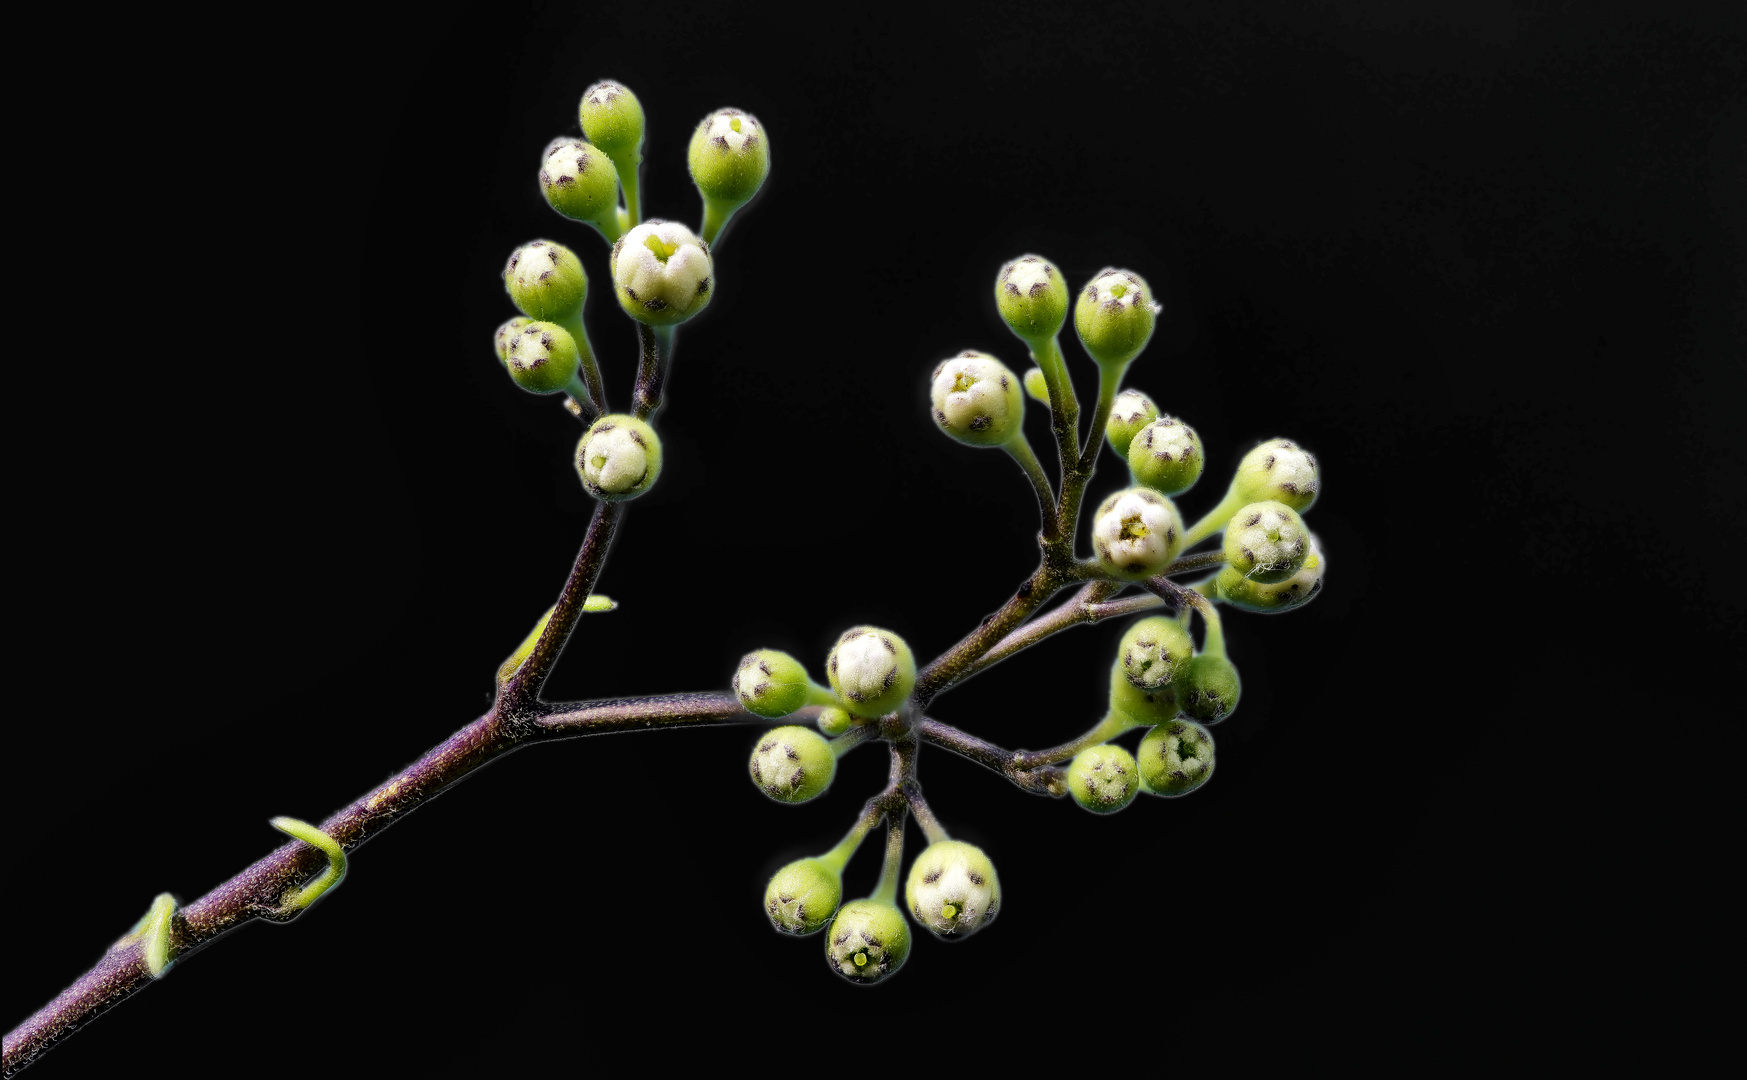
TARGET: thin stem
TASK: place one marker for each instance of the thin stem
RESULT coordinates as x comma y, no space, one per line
716,217
1187,563
1109,382
1044,780
1075,611
1215,520
887,890
581,401
587,366
924,816
954,664
820,695
850,739
1128,605
1064,407
1021,450
838,857
523,688
1113,724
706,709
1213,642
651,373
629,163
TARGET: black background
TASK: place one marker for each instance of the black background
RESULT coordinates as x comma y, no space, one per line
1484,260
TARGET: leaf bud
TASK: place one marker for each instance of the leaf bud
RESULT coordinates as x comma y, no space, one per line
771,683
1114,316
1129,413
952,889
802,896
792,764
505,334
868,940
872,670
1103,779
1167,456
1136,533
546,281
977,400
1266,542
834,721
1154,651
542,358
1278,470
612,118
1032,296
1176,758
1208,688
1138,703
661,273
1036,385
1247,594
618,458
729,158
581,182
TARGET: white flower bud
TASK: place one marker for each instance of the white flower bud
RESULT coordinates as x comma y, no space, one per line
1266,542
661,273
1280,470
977,400
1129,413
619,458
1136,533
872,670
952,889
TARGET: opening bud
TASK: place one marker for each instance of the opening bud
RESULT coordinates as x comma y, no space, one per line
802,896
1176,758
1138,703
1154,652
868,941
1032,296
977,400
1166,456
1036,385
1266,542
1129,413
952,889
1114,316
542,358
1247,594
612,118
1208,688
872,670
546,281
771,683
1136,533
661,273
506,334
1281,471
580,182
1103,779
618,458
792,764
834,721
729,158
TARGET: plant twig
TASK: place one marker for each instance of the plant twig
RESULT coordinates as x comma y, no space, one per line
1042,780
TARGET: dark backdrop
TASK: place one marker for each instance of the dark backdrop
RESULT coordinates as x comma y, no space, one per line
1484,260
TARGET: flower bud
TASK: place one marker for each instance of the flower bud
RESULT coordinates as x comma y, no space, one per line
542,358
661,273
977,400
1278,470
1247,594
1176,758
771,683
952,889
618,458
612,118
1114,316
1154,651
729,157
1136,533
792,764
505,334
1103,779
834,721
580,182
1140,704
1129,413
546,281
1167,456
802,896
1208,688
872,670
1266,542
1036,385
868,940
1032,296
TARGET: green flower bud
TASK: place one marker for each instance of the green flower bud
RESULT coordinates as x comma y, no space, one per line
977,400
1036,385
868,940
1103,779
729,157
771,683
1208,688
952,889
1266,542
542,358
1131,411
1154,651
505,334
1136,533
580,182
872,670
1167,456
803,896
1032,296
661,273
1138,703
792,764
546,281
1176,758
1248,594
1278,470
1114,316
612,118
618,458
834,721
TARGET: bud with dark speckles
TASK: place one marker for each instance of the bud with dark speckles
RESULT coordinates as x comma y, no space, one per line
1032,297
542,358
1248,594
868,941
546,281
1154,651
1279,470
792,764
1103,779
1266,542
1175,758
505,335
618,458
977,400
1208,688
580,181
1136,533
952,889
1114,316
1129,413
771,683
871,670
802,896
729,158
662,273
1166,456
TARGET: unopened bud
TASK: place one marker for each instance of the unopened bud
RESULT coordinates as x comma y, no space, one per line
1266,542
542,358
581,182
1154,651
505,334
1114,316
868,941
977,400
729,157
1139,704
1032,297
546,281
1103,779
612,118
1279,470
1129,413
834,721
952,889
1208,688
1176,758
1036,385
792,764
771,683
1136,533
1166,456
661,273
1250,595
872,670
618,458
802,896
